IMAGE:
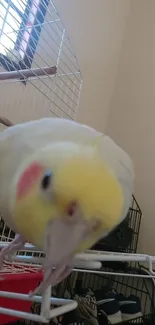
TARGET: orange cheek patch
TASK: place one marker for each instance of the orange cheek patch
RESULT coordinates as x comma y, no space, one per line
29,177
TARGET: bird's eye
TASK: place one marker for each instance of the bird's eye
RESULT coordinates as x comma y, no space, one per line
46,181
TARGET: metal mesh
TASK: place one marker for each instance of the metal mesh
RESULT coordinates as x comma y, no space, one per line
32,36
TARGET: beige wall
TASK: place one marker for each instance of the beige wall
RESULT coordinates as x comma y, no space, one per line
132,118
96,28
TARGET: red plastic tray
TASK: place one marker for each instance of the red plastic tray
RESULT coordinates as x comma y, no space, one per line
20,282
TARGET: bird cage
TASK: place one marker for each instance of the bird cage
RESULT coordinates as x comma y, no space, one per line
40,77
39,72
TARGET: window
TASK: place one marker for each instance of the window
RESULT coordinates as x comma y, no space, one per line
20,27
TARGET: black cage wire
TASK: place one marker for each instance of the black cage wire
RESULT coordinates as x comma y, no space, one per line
81,285
90,288
125,237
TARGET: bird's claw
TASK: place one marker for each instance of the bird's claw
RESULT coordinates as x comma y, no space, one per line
6,252
51,277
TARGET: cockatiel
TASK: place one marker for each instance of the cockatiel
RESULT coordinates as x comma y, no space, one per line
63,186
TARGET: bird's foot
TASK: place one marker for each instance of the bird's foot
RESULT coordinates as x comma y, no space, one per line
16,244
51,277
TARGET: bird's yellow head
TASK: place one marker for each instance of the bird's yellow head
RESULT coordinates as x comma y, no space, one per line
67,191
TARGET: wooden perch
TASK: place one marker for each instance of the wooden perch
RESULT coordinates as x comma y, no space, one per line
5,121
26,73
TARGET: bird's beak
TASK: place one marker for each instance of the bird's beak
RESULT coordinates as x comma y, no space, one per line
63,236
